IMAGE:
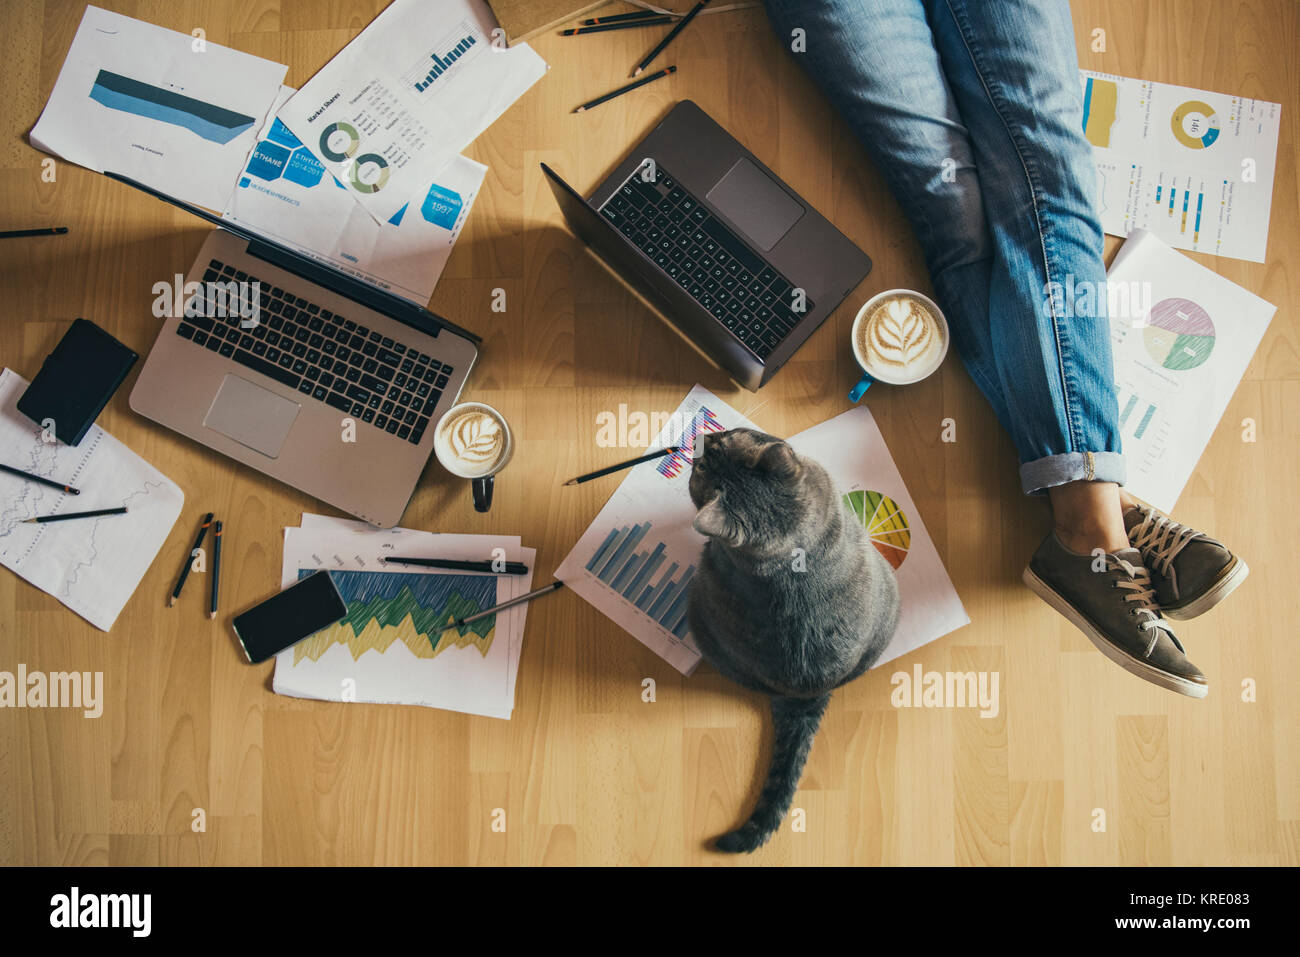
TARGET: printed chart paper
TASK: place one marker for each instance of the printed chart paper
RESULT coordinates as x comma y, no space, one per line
92,565
144,102
636,561
1195,168
852,450
1178,364
390,649
287,195
390,111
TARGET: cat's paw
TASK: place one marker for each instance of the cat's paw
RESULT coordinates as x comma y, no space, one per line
744,840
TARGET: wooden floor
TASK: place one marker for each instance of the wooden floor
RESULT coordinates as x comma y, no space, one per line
586,772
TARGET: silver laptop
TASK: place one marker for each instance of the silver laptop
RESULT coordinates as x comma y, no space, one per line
311,376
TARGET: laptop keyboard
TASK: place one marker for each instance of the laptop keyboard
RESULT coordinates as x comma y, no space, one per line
708,260
326,357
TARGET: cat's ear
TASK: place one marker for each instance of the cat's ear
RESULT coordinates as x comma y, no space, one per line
712,520
779,460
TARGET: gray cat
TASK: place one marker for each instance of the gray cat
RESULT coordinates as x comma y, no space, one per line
791,598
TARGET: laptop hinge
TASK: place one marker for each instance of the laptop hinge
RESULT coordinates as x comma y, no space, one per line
356,290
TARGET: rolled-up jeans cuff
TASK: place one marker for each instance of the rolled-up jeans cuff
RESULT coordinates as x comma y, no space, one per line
1038,476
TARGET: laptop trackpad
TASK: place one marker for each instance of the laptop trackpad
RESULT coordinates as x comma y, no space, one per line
753,201
251,415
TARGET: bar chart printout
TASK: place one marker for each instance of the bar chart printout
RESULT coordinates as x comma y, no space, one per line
637,560
442,58
631,573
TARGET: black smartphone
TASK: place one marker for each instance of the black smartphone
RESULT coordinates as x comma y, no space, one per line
285,619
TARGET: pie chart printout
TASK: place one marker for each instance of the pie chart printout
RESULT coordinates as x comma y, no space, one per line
885,523
1179,334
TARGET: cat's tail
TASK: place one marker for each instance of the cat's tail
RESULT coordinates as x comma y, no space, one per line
796,721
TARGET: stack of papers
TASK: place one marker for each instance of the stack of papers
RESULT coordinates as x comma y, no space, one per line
390,112
92,565
286,194
392,649
636,561
359,170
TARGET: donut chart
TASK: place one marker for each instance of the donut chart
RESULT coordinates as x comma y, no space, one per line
369,159
885,522
1195,124
338,141
1179,334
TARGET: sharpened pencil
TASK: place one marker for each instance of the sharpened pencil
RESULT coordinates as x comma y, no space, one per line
508,568
462,622
216,567
189,558
121,510
624,89
42,231
624,465
606,27
622,17
672,35
39,478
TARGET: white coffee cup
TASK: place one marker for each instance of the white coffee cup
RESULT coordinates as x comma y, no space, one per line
472,441
930,355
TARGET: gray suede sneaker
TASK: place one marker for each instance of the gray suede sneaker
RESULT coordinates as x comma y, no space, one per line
1116,609
1190,571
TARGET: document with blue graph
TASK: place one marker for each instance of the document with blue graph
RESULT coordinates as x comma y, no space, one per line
169,109
636,561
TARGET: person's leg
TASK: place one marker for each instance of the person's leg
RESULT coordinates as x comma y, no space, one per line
876,62
993,243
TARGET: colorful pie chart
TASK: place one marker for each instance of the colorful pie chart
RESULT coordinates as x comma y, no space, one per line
1179,334
884,521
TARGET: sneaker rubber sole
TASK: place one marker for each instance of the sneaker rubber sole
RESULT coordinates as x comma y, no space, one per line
1134,666
1229,579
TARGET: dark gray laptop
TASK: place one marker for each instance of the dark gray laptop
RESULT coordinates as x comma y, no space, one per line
732,257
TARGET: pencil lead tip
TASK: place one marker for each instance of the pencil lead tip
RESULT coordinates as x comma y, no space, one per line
171,602
212,616
571,482
638,71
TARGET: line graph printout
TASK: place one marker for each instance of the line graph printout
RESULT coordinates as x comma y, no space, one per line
91,565
636,560
391,647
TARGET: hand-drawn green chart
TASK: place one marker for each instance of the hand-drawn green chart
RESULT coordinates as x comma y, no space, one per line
1179,334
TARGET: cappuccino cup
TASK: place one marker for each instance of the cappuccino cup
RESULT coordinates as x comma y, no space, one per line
899,337
472,441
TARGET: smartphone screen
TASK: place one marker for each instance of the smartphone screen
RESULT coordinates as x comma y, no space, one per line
289,617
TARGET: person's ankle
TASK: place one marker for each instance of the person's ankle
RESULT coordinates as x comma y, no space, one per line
1082,541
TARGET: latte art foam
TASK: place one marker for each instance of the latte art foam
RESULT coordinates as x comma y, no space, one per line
472,441
901,339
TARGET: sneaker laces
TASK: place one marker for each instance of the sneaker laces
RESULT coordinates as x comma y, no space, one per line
1137,582
1159,538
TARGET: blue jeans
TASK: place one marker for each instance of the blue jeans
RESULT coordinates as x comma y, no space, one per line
972,111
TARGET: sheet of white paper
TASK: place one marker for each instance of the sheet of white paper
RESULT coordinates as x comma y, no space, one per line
161,107
397,104
92,565
287,195
1194,167
636,560
459,678
851,448
1177,362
